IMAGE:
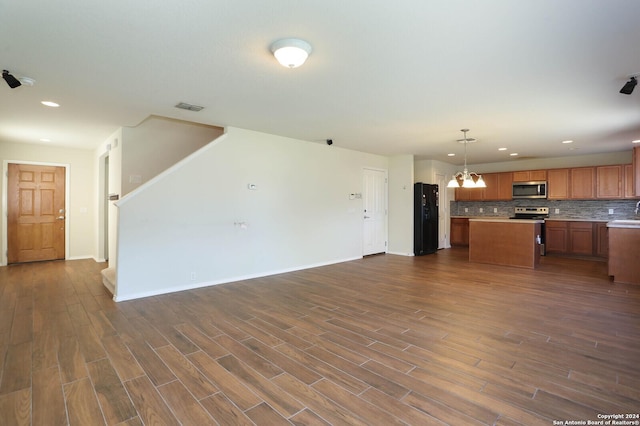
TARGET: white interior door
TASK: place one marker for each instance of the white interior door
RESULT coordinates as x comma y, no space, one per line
374,200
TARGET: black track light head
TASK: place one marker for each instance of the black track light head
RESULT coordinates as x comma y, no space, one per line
627,89
10,79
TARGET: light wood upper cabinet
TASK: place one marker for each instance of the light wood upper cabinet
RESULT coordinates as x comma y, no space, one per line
505,186
609,181
491,191
558,184
499,186
628,181
529,175
582,183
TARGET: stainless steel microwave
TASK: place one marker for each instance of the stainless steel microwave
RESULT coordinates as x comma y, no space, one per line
534,189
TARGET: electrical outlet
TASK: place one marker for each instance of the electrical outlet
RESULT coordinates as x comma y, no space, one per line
495,210
557,211
481,210
466,209
193,276
610,211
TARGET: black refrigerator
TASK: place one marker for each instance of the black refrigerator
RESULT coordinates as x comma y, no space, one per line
425,218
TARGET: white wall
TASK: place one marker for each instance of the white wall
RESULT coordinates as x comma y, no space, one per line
401,198
157,144
81,217
200,217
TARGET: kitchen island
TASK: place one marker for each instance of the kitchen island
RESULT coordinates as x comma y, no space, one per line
624,244
505,242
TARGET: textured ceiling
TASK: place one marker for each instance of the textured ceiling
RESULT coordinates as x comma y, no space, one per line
384,77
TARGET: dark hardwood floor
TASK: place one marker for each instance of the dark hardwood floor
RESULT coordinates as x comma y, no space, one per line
379,341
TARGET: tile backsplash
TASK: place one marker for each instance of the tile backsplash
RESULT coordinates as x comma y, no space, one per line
567,209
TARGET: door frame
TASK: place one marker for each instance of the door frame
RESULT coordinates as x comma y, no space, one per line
5,211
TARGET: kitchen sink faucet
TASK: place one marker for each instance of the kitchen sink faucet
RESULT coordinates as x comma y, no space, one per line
637,207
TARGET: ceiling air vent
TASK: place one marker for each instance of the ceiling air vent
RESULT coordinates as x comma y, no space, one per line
189,107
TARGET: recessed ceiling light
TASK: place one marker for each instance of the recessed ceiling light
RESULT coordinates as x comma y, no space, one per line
502,149
568,141
451,154
636,141
50,104
514,154
45,140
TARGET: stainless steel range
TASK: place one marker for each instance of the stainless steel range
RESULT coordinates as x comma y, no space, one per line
534,213
531,213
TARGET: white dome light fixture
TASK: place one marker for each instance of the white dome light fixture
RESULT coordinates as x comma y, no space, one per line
291,52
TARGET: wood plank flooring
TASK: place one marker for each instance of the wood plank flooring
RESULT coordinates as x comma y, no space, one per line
380,341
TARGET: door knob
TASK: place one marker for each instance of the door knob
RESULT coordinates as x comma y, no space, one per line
60,217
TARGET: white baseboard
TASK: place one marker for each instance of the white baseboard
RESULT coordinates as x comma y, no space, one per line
400,254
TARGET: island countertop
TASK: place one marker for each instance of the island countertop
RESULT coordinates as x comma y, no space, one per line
505,220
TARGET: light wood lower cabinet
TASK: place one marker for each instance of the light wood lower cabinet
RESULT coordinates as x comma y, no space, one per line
576,238
459,234
556,240
581,238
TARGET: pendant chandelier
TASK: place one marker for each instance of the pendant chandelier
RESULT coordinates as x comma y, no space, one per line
465,178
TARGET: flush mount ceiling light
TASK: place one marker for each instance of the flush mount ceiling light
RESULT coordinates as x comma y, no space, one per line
628,87
291,52
466,179
50,104
10,79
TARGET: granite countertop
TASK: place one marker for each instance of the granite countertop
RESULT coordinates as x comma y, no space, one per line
505,220
571,219
559,219
630,224
479,217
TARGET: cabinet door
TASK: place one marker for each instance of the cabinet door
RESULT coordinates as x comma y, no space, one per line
538,175
491,191
558,184
505,186
529,175
522,176
582,183
602,239
556,240
581,238
475,194
628,181
459,231
462,194
609,181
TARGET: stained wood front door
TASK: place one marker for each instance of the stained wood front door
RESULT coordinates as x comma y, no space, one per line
36,213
